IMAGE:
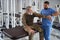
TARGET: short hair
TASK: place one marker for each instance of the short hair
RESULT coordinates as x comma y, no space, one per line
28,7
46,2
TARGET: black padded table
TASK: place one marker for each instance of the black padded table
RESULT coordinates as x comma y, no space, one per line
15,33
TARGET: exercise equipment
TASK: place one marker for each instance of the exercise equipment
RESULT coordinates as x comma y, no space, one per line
56,25
16,33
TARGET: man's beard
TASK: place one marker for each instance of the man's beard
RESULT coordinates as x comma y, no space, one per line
45,8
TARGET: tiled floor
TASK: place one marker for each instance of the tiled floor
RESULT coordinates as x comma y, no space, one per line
55,35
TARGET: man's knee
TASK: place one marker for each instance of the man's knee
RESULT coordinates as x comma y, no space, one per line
40,30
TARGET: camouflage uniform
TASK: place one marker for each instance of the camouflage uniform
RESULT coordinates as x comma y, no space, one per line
28,20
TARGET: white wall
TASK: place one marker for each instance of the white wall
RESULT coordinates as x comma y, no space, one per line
52,2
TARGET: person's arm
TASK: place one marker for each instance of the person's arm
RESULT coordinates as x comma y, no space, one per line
39,15
24,22
55,14
26,26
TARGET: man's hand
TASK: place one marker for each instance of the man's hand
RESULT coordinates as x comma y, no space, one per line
31,32
49,17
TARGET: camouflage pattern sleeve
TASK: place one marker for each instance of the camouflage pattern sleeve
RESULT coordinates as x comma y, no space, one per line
24,20
39,15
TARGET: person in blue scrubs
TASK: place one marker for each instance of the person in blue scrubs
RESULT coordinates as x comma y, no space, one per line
48,22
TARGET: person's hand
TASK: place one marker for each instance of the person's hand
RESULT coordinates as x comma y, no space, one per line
49,17
31,32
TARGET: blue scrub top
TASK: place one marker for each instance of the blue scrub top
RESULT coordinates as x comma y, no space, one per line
46,22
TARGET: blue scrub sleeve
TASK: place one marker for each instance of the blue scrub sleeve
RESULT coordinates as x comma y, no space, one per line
53,11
